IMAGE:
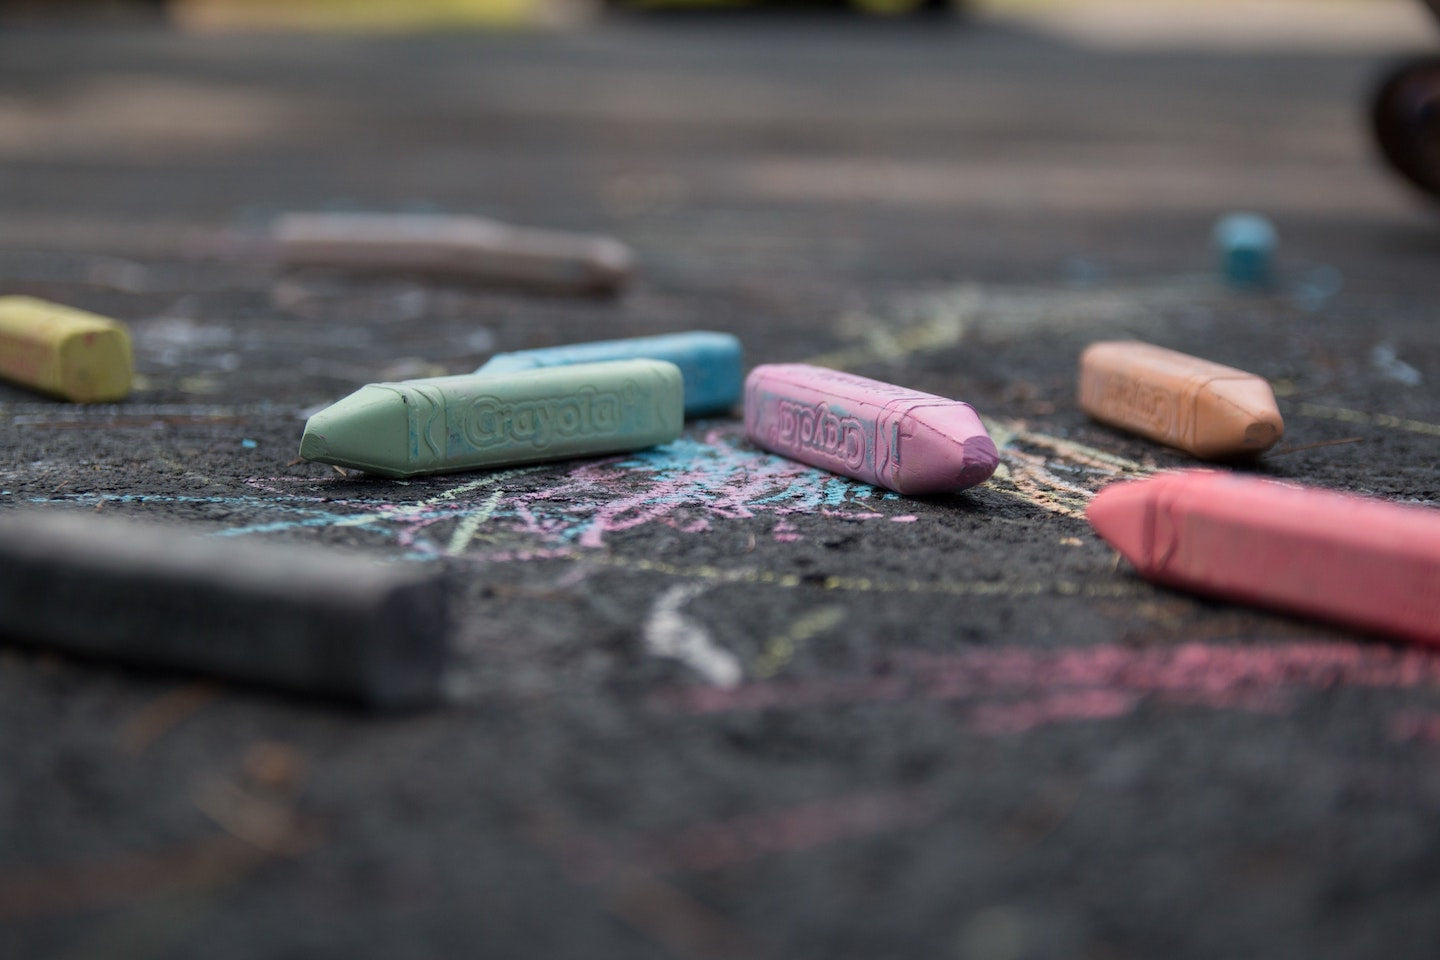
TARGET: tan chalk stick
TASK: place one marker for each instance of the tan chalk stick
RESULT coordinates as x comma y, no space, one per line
459,246
1207,409
55,349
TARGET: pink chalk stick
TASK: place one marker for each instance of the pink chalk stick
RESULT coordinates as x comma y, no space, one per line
910,442
1357,560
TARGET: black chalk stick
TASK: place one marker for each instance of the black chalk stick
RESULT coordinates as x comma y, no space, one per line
304,619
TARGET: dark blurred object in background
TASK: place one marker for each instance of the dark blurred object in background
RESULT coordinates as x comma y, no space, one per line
882,8
1405,118
337,13
99,10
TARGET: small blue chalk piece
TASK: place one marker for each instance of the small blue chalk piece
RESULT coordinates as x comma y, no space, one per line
1245,245
249,444
709,362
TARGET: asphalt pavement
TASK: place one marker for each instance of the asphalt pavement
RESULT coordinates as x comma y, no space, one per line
700,701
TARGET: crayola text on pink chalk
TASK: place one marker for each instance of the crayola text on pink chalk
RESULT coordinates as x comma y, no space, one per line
893,437
822,431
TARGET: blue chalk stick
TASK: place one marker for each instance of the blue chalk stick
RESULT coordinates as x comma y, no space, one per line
710,363
1245,245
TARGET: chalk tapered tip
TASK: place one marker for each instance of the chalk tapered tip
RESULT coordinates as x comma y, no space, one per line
313,443
1124,516
980,459
949,450
613,260
1236,418
365,431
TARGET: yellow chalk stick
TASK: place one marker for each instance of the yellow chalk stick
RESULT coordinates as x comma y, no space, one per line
77,355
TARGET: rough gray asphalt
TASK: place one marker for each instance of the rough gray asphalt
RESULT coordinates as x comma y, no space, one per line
703,703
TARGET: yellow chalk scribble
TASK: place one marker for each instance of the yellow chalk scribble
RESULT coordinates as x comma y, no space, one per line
1031,477
1030,461
944,325
781,648
389,513
1387,421
465,530
943,318
953,588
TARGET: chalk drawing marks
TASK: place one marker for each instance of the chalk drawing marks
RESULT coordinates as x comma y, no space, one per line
942,318
733,841
670,634
688,485
1014,689
1030,462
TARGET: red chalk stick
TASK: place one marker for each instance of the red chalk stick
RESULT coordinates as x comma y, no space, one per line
1365,562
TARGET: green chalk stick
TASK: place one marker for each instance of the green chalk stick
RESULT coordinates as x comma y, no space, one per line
477,421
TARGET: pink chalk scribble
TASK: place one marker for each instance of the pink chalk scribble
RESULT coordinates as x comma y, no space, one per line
725,843
1013,689
1416,726
1066,706
735,841
785,532
685,485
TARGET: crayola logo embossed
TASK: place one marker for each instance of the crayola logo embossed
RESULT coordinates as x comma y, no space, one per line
1147,405
1207,409
901,439
822,431
492,422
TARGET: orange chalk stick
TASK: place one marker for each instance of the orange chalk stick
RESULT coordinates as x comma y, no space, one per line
73,354
1369,563
1209,410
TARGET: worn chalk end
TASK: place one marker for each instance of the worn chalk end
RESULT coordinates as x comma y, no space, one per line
96,366
314,445
361,431
1236,418
612,263
956,453
70,353
981,459
1123,514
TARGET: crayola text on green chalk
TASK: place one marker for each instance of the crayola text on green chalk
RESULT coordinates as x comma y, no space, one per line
477,421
